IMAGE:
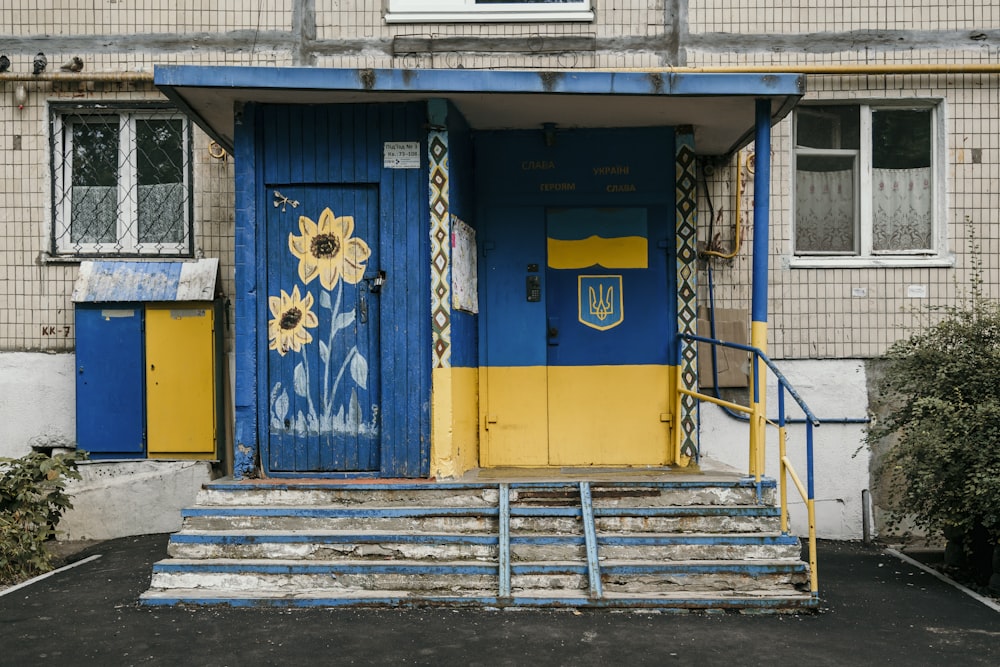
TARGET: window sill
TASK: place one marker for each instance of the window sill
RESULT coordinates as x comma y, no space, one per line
924,262
48,258
489,16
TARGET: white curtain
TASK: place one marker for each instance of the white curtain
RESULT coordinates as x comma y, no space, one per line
901,209
94,214
824,211
161,213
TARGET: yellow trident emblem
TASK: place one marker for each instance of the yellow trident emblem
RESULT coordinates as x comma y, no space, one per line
599,301
601,307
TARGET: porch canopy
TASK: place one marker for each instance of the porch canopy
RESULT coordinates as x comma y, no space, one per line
719,107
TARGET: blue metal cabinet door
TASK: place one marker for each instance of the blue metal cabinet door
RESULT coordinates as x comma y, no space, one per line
110,395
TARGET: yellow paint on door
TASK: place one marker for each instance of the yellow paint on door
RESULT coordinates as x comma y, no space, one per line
513,417
180,381
577,416
609,415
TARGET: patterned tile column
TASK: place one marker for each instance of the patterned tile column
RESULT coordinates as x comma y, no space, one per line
437,148
687,284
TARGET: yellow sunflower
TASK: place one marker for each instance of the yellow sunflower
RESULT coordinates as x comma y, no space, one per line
292,314
327,250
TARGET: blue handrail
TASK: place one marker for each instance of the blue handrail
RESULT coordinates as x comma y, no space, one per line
782,380
811,421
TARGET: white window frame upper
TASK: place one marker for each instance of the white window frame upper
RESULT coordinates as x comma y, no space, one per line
469,11
127,243
939,254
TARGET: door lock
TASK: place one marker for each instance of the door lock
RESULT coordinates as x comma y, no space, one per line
375,282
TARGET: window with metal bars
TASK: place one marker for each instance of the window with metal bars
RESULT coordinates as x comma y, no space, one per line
121,181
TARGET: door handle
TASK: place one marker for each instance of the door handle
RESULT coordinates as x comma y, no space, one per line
552,330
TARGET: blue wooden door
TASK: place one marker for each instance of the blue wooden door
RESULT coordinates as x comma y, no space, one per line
323,370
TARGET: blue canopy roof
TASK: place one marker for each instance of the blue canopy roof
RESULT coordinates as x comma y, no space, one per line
720,107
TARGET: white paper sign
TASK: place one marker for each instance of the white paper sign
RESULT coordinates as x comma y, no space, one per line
401,155
464,270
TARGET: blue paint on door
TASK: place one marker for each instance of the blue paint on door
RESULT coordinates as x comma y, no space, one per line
590,183
323,359
636,302
110,380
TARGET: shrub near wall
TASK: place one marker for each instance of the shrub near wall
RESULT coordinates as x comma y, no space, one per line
943,462
32,499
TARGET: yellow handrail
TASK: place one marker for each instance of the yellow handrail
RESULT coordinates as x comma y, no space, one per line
786,467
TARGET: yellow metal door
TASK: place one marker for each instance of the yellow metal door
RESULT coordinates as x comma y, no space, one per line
180,381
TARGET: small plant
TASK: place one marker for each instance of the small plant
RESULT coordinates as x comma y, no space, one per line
32,500
943,460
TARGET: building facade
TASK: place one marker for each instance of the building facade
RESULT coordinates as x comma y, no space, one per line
881,200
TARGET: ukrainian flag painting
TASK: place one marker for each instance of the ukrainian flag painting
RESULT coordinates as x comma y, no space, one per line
612,238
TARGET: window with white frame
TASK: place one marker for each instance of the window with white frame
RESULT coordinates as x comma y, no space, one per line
867,181
480,11
121,181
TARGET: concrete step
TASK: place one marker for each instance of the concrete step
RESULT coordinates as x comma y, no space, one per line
542,519
751,601
368,518
627,576
604,494
332,544
348,494
701,546
650,494
385,545
274,575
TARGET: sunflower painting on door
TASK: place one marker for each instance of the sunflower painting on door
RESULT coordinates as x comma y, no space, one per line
328,254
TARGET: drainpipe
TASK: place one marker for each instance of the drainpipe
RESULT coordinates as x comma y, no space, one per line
758,308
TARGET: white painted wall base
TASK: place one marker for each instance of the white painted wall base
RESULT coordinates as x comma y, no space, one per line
832,389
122,498
37,401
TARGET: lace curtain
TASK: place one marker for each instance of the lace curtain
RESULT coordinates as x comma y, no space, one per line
161,213
901,210
824,211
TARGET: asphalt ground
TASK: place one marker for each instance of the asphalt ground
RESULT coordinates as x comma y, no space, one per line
876,610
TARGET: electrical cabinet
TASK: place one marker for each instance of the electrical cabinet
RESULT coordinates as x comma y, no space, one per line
148,380
110,410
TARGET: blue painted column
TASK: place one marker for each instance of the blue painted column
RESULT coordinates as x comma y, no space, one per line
758,307
246,445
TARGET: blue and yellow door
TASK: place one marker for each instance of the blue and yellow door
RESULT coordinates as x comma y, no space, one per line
579,323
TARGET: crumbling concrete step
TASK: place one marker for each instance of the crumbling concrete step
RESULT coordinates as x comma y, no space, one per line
332,544
653,577
667,519
746,601
289,518
665,494
697,546
348,495
290,576
723,575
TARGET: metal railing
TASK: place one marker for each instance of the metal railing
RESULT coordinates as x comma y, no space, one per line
758,422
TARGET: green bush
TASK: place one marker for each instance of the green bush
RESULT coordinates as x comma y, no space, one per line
32,500
943,459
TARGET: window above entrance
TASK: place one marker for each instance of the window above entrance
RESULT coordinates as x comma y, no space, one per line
484,11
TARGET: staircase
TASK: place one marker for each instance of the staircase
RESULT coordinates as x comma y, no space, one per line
617,544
